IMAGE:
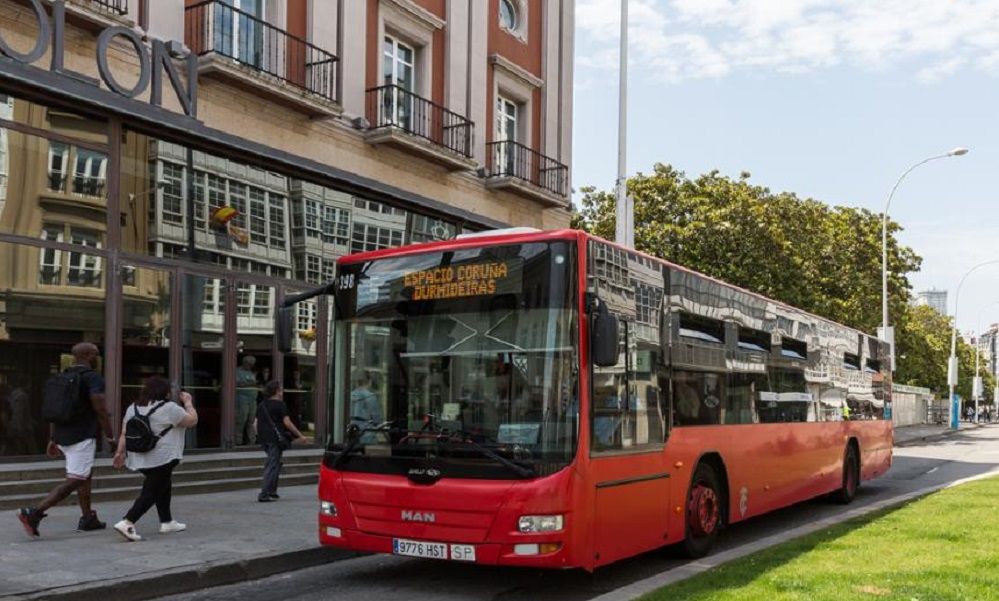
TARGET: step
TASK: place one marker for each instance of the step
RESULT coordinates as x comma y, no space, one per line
50,470
121,479
184,488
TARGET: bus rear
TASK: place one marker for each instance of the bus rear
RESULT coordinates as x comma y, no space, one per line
456,415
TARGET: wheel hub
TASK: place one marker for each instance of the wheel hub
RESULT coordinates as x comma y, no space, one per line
702,511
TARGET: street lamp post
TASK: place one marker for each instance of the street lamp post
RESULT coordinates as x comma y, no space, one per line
952,363
886,332
625,213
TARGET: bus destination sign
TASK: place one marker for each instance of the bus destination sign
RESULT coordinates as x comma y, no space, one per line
460,281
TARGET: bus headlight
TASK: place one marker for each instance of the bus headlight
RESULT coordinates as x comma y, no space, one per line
327,508
540,523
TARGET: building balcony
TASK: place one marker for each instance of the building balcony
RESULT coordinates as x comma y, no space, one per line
96,15
520,169
400,118
111,7
234,45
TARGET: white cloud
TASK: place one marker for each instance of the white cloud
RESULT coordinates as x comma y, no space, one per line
699,39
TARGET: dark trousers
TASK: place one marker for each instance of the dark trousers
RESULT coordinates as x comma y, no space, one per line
157,489
272,469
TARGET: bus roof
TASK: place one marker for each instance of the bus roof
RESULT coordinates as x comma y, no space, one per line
519,237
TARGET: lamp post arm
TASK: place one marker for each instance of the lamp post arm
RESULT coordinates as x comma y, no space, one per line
957,301
884,235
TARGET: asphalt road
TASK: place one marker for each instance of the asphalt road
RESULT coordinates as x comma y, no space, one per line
385,577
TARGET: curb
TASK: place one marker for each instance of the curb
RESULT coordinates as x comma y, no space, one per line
189,578
938,435
693,568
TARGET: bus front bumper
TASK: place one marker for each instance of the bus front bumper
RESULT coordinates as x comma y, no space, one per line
546,554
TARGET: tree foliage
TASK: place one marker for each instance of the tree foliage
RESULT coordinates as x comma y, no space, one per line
923,351
823,259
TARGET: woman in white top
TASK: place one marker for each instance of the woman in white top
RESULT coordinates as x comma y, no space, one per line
167,420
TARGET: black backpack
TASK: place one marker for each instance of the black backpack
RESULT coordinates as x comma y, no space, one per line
65,399
139,435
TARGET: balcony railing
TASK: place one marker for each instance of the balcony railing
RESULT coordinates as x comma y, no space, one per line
118,7
394,106
510,159
213,27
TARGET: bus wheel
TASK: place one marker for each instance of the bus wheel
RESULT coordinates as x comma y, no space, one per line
703,513
851,477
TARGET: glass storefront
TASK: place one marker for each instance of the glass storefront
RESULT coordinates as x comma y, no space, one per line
41,318
75,262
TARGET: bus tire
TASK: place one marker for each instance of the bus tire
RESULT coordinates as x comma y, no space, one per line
851,476
703,513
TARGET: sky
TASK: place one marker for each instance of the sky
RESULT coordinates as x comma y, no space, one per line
830,99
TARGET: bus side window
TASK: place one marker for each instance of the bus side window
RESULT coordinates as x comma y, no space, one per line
609,398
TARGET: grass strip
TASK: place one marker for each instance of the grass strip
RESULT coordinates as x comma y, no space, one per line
939,548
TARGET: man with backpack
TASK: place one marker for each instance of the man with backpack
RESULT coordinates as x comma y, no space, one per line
73,405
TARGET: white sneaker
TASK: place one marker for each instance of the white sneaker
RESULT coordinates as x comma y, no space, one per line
127,530
174,526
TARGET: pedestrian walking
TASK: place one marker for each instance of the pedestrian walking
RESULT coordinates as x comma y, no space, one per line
275,432
73,405
152,443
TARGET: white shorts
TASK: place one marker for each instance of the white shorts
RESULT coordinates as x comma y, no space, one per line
80,458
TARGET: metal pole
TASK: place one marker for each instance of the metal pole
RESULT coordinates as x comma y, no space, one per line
887,333
952,364
624,230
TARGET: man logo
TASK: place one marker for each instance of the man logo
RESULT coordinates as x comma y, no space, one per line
418,516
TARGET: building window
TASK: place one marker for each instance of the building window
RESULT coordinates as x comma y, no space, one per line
243,301
509,19
307,315
507,116
258,215
398,66
58,159
371,237
84,268
173,194
51,258
237,196
277,223
90,173
336,226
261,301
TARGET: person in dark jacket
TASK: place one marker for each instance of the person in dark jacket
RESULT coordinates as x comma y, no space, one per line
275,431
76,440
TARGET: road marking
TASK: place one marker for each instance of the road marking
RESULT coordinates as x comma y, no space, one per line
933,470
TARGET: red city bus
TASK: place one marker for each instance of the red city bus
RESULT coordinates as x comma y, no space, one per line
550,399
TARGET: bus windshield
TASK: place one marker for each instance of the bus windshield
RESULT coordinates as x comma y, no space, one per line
465,359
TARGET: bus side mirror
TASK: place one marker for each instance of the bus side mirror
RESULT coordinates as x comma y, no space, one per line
284,328
604,339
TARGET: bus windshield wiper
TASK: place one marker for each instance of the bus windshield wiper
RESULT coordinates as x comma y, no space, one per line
451,435
355,435
520,470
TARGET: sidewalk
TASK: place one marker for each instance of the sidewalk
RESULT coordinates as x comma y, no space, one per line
928,432
230,537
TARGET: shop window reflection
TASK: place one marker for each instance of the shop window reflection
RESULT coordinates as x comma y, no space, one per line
38,326
146,322
82,269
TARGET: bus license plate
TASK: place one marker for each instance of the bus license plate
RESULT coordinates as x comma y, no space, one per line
427,550
415,548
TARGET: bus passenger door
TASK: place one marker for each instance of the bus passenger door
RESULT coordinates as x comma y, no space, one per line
632,486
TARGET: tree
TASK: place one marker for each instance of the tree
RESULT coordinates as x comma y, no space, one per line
924,349
825,260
